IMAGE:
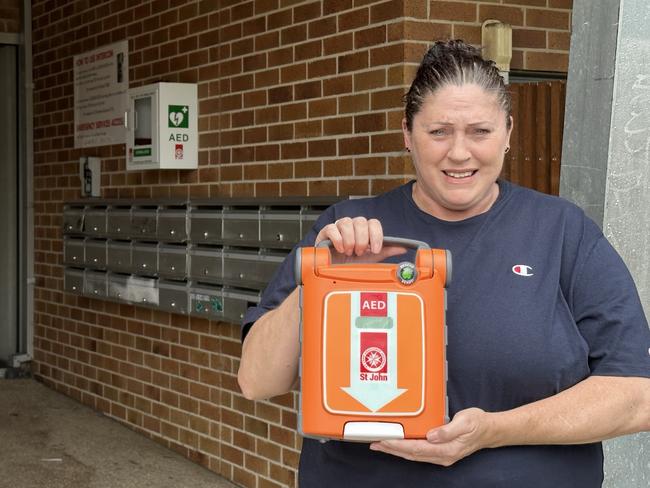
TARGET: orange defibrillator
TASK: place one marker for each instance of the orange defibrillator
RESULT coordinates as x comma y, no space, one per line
373,338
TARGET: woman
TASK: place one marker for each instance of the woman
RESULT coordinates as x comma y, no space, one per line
548,345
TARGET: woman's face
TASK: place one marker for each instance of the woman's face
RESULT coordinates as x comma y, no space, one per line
458,140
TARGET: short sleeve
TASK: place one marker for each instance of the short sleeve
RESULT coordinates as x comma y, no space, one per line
283,282
609,314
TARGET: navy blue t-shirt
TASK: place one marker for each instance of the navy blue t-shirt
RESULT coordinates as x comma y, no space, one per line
539,301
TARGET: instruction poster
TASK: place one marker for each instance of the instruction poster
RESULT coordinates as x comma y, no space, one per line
101,82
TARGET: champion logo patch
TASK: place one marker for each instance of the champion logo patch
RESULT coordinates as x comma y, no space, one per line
522,270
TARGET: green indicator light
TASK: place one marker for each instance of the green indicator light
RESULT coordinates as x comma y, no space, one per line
407,273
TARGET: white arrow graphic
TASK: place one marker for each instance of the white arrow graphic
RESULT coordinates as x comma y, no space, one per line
373,394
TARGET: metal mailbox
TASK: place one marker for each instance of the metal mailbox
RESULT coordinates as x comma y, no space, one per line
307,220
142,290
206,301
119,256
95,221
241,227
73,219
73,280
73,251
172,261
118,287
173,296
205,226
235,303
144,258
206,264
250,268
118,222
279,228
144,223
95,253
172,225
95,284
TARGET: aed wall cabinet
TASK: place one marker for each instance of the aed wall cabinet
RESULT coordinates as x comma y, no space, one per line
162,130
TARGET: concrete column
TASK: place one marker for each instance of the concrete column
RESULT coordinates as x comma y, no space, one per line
606,160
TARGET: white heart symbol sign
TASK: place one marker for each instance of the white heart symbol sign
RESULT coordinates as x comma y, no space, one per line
176,118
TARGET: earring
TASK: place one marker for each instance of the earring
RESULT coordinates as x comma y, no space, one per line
407,149
507,149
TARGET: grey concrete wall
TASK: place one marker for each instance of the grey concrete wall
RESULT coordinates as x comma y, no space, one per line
606,161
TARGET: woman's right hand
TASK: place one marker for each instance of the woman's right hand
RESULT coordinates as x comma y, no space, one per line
359,240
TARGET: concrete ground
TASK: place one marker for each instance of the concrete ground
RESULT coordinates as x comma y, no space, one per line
49,440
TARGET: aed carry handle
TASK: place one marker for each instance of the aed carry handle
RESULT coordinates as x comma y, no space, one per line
397,241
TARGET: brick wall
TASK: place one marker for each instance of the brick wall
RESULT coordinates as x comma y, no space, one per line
10,16
296,98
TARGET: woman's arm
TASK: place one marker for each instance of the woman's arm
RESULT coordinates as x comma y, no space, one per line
597,408
269,360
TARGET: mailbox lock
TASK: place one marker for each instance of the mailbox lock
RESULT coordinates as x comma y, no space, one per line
74,288
119,295
241,276
279,237
94,260
205,234
119,229
206,271
144,265
74,258
144,300
95,229
173,268
172,232
96,292
173,304
241,236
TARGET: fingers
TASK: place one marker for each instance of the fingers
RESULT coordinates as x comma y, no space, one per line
353,236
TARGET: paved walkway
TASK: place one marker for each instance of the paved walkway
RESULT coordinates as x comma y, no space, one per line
49,440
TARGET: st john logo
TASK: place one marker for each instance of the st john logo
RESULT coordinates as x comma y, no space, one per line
522,270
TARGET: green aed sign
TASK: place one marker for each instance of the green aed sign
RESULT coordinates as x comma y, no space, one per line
178,116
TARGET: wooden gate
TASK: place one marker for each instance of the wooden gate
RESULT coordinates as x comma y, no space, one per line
536,141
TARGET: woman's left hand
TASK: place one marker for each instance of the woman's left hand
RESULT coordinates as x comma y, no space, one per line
468,432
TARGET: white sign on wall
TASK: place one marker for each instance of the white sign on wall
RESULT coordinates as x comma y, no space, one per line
101,82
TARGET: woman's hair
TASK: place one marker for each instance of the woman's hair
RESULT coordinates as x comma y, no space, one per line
454,62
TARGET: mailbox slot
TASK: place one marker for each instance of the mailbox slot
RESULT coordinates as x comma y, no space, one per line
173,296
144,259
73,219
280,228
172,225
206,264
95,221
251,269
119,222
241,227
73,251
95,284
95,253
119,256
143,223
206,301
73,280
172,261
205,226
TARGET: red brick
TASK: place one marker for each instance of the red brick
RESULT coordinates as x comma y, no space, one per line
453,11
353,19
552,19
559,40
546,61
529,38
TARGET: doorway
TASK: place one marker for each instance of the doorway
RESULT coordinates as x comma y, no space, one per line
9,204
